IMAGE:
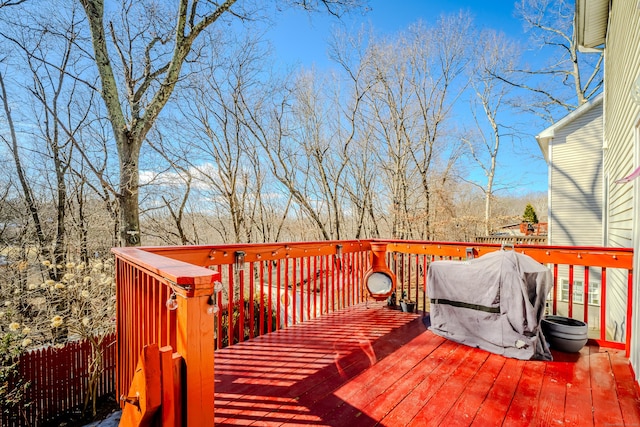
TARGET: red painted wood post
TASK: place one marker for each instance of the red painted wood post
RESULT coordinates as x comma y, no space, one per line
241,305
252,299
603,305
555,290
195,338
630,299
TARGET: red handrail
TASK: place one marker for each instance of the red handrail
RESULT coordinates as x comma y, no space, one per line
618,259
145,284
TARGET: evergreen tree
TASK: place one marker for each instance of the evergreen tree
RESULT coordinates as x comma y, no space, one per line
530,214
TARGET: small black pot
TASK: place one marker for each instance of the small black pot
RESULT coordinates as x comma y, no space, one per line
407,306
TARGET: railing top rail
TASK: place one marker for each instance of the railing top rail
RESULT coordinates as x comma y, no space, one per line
576,255
184,276
205,255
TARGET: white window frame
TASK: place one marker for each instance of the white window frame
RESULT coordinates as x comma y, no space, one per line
578,288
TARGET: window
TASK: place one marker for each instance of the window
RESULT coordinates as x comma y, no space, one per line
594,293
578,288
577,291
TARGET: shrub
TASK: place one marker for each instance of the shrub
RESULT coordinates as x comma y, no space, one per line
81,305
12,386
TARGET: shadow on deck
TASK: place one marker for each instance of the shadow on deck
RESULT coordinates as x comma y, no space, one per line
369,365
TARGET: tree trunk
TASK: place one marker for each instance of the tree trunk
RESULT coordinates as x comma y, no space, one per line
129,154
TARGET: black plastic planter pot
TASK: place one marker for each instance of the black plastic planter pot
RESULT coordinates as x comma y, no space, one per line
565,334
407,306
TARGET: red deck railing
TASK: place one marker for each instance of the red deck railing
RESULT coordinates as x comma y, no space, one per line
267,287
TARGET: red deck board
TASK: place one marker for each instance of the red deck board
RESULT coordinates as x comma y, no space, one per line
553,394
606,409
385,402
578,399
627,389
468,403
375,366
524,405
415,397
374,383
496,404
434,410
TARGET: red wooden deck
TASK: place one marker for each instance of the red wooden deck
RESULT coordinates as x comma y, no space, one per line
375,366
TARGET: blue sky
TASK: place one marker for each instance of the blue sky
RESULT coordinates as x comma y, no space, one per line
300,39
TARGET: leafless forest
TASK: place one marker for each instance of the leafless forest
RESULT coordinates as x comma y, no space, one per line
158,123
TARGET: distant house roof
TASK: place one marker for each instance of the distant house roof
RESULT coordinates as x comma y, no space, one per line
592,19
547,135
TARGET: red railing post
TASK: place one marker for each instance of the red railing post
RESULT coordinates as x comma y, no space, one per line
630,300
140,274
603,305
195,338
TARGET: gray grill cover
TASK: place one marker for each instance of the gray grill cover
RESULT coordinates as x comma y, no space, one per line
495,302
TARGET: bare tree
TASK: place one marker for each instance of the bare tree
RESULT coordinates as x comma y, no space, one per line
568,78
49,60
355,143
4,3
438,59
328,127
13,145
412,81
215,114
149,75
390,110
174,187
494,55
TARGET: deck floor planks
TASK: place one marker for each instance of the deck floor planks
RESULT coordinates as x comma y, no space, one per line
437,407
464,410
321,397
409,407
323,373
627,390
246,403
606,410
334,343
379,407
578,398
524,406
495,405
553,393
370,385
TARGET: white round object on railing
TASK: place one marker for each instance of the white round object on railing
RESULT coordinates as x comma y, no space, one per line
217,286
379,283
172,303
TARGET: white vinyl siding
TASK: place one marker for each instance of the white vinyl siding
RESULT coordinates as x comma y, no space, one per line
575,180
622,66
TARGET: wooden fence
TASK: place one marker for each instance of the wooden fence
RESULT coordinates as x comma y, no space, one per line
58,379
513,240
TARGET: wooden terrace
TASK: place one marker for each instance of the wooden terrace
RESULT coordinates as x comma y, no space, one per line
369,365
284,334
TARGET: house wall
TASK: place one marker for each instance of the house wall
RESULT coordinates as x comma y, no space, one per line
622,66
575,182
